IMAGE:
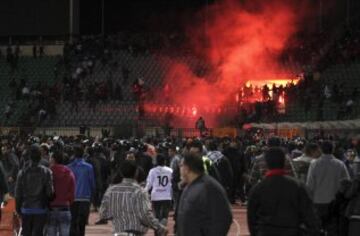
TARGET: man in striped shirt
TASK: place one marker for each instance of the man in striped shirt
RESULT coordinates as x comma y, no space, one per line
128,206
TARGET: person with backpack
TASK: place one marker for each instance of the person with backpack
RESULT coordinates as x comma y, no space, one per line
219,167
33,193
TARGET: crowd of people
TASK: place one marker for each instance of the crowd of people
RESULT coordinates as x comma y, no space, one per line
135,183
85,58
309,93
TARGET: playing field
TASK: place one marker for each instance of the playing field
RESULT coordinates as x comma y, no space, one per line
239,227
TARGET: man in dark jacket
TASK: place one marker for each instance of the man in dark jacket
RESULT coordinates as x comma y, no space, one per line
33,193
353,208
220,168
143,159
239,168
3,183
101,171
3,186
275,212
10,164
85,187
203,208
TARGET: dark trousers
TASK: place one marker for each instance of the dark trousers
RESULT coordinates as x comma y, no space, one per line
33,225
161,209
354,227
98,196
79,216
328,221
177,199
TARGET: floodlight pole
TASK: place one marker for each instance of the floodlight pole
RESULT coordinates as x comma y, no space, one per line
348,10
320,15
103,17
71,20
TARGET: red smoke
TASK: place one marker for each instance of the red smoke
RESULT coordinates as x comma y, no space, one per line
241,42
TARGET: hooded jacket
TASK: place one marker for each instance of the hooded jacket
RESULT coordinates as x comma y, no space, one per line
3,183
64,185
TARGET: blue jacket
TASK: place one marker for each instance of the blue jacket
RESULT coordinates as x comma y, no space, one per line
84,178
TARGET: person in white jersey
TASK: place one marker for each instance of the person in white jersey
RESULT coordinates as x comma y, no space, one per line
159,182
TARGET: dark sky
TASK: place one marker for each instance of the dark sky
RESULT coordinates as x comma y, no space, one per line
145,15
35,17
165,15
51,17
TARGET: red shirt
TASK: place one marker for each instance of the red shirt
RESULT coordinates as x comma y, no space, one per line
64,185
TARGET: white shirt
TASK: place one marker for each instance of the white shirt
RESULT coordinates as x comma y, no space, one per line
159,182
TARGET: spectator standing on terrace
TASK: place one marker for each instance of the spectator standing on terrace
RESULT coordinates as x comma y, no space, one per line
265,93
17,51
64,185
16,56
34,191
41,50
42,115
34,51
128,205
8,111
85,188
200,125
118,92
204,208
323,180
272,211
9,54
25,91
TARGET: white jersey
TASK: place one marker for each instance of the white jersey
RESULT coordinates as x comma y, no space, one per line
159,181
